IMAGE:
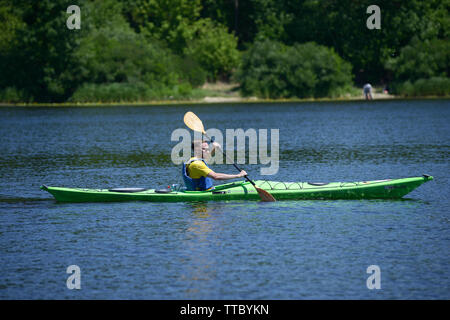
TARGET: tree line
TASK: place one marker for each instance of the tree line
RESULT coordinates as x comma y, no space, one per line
140,50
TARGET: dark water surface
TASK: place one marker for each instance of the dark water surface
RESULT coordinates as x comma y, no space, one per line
225,250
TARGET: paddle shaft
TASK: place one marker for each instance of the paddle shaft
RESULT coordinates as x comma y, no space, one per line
239,169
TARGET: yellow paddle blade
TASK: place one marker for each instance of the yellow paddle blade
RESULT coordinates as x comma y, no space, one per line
193,122
265,196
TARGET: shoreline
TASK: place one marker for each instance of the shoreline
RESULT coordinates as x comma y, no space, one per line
220,100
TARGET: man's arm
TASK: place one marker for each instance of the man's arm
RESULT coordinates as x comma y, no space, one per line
224,176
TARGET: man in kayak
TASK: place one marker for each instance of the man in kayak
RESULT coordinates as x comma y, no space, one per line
196,173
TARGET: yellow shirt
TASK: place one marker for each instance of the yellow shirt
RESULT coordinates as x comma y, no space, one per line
197,169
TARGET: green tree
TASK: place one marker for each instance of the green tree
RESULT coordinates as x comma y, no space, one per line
113,52
11,24
422,68
247,18
168,21
118,64
213,48
178,24
39,60
272,70
421,59
342,26
42,60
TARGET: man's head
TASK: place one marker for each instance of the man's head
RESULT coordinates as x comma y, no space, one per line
201,149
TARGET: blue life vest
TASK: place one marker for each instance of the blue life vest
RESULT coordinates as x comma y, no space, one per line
203,183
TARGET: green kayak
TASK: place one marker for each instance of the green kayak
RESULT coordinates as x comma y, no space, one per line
379,189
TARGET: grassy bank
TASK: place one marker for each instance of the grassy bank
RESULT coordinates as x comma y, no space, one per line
223,93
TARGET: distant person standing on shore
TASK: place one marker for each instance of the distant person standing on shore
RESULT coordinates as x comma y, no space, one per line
367,89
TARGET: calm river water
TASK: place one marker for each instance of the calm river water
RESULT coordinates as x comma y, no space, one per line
225,250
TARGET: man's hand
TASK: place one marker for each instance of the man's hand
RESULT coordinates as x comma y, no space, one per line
242,173
215,145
